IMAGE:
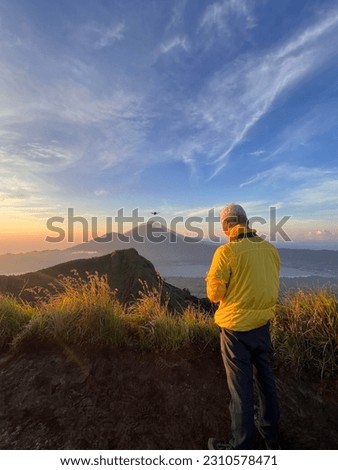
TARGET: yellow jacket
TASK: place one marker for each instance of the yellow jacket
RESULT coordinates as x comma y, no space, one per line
244,279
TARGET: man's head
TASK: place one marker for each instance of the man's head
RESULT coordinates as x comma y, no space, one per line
231,215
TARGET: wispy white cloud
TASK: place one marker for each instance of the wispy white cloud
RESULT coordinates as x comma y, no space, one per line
101,192
242,93
75,103
252,208
309,35
321,234
177,15
56,124
18,190
258,153
220,16
99,36
201,211
176,42
282,174
311,201
322,196
35,155
305,130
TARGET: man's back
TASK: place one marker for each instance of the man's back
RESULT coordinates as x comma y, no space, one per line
244,278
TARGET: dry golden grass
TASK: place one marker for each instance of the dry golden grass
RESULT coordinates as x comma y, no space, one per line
88,314
304,331
13,317
84,313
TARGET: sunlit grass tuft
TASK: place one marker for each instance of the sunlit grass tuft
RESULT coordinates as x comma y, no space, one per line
305,331
13,317
156,327
85,312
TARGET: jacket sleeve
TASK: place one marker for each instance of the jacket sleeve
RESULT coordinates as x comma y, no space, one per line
218,276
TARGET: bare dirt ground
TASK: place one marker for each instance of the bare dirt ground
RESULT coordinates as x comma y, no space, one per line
135,400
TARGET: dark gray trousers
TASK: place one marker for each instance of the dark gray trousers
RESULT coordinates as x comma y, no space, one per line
246,357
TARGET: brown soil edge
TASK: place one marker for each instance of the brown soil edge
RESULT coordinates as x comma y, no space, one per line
141,400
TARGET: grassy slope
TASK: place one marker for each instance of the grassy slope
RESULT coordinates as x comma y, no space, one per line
88,314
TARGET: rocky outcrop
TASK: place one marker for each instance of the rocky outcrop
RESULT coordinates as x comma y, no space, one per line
126,271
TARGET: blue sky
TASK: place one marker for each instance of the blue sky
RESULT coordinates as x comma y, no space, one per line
174,106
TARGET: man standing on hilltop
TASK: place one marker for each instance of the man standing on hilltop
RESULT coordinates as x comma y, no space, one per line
244,279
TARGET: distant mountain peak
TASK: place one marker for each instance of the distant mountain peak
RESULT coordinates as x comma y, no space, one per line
153,231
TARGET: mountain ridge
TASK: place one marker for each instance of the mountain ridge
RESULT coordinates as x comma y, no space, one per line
184,250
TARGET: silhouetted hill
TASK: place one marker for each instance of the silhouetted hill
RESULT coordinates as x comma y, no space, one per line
126,270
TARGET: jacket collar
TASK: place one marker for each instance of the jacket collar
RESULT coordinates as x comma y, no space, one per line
241,231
